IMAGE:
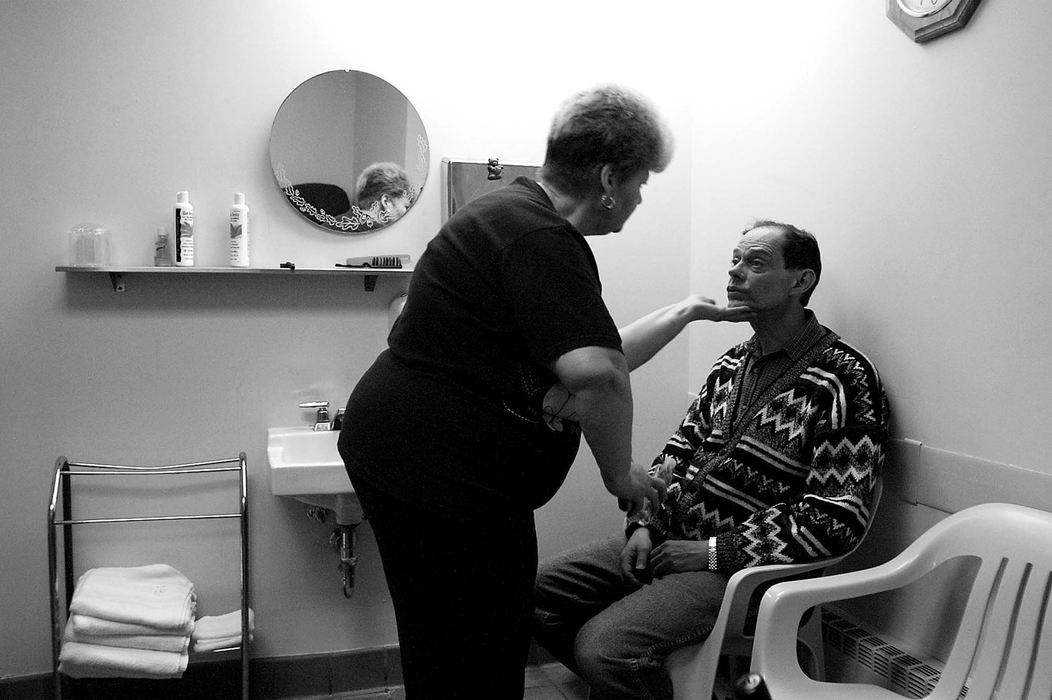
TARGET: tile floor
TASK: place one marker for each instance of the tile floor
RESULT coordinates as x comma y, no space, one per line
554,682
548,682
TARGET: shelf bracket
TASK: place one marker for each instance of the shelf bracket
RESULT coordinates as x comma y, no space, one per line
370,282
118,281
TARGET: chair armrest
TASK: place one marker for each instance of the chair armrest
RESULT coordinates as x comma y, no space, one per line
743,584
693,668
801,595
774,647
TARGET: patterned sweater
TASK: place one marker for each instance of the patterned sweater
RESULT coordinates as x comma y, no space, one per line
786,479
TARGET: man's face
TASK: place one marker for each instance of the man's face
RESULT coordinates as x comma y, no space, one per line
395,206
758,276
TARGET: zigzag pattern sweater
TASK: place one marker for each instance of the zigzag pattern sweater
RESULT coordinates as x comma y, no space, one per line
791,478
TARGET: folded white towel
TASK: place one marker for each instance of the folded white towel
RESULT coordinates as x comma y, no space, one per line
212,644
213,632
222,626
178,643
79,660
155,595
86,625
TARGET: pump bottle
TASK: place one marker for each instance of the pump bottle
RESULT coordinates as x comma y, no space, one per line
239,232
183,253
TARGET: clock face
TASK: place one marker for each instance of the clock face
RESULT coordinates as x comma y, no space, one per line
922,8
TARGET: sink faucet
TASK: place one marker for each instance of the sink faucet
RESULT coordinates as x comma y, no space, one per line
321,417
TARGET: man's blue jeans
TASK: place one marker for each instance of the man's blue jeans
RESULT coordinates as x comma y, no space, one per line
616,633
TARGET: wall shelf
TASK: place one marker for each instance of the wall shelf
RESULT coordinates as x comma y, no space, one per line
369,275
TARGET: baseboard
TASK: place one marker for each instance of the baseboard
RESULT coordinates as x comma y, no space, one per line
37,685
274,678
269,679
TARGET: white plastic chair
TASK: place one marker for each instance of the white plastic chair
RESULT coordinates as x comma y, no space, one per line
693,668
1004,639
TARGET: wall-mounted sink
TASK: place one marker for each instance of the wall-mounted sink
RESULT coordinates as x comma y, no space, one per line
305,465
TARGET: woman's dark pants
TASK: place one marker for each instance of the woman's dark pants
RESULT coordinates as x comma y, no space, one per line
462,589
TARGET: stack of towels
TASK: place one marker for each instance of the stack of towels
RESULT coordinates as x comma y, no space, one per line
131,622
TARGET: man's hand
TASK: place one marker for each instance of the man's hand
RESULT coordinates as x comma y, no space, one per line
637,488
677,556
635,557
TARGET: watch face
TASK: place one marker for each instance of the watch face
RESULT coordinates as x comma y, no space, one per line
922,8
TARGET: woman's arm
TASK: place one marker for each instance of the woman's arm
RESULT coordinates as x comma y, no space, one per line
644,337
598,379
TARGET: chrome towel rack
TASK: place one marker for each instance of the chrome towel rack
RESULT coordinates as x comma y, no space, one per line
62,498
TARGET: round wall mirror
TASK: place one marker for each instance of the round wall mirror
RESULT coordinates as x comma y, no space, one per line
349,152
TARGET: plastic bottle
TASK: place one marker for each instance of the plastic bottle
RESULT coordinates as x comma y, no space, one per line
239,232
183,254
162,257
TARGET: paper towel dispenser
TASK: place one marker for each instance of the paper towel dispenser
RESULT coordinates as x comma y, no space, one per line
463,180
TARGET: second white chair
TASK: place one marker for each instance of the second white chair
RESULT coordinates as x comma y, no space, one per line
1004,638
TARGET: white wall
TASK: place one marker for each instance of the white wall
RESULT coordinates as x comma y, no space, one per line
107,109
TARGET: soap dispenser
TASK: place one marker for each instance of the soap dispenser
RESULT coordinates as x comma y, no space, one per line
239,232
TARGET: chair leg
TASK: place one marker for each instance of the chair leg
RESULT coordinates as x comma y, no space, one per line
732,667
810,643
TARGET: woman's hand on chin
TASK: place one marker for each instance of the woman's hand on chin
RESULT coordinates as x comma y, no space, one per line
708,310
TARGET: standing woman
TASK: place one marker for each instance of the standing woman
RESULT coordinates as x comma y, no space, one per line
445,437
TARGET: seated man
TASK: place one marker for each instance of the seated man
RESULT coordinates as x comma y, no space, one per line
774,463
383,193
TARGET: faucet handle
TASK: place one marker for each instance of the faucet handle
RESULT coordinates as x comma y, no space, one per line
337,422
322,415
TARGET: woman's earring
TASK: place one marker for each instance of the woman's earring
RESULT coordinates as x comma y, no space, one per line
607,201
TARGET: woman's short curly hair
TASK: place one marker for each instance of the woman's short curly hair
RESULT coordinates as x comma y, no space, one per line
380,179
605,125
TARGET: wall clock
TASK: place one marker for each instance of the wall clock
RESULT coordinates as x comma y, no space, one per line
923,20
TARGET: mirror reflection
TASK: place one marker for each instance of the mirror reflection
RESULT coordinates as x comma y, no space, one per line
349,152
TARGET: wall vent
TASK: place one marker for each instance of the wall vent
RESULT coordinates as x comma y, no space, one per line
907,674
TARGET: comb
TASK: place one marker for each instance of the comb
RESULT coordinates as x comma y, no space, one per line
382,261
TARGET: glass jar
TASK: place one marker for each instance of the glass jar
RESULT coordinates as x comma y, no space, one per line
89,246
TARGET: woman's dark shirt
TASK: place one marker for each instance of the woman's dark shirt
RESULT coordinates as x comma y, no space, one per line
450,410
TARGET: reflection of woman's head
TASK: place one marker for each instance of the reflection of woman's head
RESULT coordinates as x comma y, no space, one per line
387,184
604,126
